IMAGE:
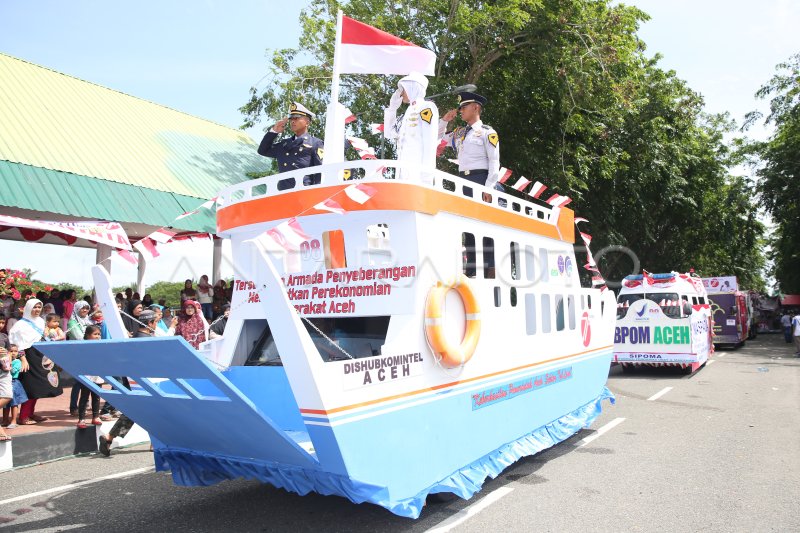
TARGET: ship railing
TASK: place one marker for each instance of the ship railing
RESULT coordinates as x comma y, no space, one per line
378,170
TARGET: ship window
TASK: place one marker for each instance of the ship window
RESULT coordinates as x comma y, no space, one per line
530,314
515,206
488,258
540,215
571,311
530,271
486,197
333,242
546,319
583,301
379,244
695,300
543,265
502,202
559,313
588,302
513,297
448,185
497,296
467,191
468,254
515,260
259,190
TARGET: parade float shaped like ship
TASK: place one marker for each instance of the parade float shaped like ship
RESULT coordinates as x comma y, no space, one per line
421,342
341,372
663,320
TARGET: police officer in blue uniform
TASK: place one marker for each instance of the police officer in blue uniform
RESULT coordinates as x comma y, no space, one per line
301,150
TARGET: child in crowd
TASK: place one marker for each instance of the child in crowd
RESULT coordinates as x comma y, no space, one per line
52,328
91,333
11,412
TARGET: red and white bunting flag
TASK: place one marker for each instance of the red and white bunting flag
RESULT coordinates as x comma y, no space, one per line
598,280
537,189
586,238
147,248
521,183
349,116
127,256
504,175
376,128
559,201
365,151
187,213
580,219
162,235
289,234
360,193
364,49
330,205
440,149
209,204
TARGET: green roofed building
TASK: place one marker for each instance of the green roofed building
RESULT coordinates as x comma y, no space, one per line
73,150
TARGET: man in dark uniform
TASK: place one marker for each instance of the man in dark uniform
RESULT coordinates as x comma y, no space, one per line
477,144
301,150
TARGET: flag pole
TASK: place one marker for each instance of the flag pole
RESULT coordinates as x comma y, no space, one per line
334,124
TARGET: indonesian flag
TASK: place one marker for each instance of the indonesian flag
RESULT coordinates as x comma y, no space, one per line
538,189
360,193
289,235
365,151
209,204
504,175
521,183
559,201
187,213
349,116
330,205
364,49
162,235
376,128
127,256
147,247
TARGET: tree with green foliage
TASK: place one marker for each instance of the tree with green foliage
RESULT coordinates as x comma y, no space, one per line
577,105
779,188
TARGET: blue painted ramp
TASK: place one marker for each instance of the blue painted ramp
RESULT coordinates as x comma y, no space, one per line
181,399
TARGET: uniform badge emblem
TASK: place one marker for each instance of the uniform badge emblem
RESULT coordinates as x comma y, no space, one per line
346,174
320,152
493,138
426,115
293,107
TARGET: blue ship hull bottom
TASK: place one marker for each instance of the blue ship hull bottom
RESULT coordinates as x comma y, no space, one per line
194,468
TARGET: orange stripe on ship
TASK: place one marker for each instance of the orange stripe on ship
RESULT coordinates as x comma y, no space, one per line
443,386
389,197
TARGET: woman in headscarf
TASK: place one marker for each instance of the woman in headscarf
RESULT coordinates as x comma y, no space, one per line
417,130
76,327
190,324
39,377
188,291
130,316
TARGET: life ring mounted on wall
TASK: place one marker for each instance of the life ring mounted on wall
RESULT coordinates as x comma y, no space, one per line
452,355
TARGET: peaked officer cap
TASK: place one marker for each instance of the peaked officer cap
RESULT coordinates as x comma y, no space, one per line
471,98
299,110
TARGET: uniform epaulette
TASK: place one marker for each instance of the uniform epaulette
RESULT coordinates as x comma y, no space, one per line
487,127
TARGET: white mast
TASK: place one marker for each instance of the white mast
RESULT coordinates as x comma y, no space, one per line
334,126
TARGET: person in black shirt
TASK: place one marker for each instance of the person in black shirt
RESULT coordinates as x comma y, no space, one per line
218,326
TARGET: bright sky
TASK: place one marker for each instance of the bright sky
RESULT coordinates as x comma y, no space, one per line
202,57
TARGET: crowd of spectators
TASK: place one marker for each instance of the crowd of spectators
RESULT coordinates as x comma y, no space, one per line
27,375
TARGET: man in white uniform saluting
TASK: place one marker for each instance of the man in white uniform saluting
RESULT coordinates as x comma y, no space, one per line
477,144
416,130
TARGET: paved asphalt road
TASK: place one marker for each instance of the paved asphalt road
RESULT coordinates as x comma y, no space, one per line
718,451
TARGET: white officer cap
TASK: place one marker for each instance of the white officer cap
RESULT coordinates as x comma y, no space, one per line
415,77
299,110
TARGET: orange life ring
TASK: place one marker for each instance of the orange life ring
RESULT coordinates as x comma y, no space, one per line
452,356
